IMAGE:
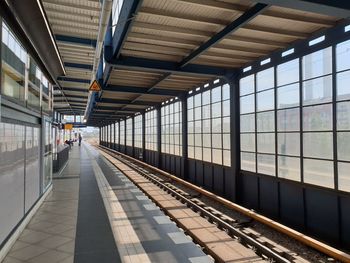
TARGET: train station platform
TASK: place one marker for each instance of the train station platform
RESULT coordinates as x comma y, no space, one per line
95,214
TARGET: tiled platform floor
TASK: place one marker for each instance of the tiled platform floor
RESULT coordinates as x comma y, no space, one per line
95,214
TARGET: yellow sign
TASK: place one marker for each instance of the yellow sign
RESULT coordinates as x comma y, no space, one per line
68,126
95,86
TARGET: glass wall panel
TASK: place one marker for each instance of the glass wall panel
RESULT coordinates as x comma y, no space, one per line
266,164
248,161
129,132
288,72
117,132
344,176
319,172
318,145
209,125
14,59
317,64
138,131
289,168
151,130
288,96
122,132
172,128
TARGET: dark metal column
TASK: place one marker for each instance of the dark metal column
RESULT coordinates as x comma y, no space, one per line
143,136
235,135
159,137
184,123
133,137
119,136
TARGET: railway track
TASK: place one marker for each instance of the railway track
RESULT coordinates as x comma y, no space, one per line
190,203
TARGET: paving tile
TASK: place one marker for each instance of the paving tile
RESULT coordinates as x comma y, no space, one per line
32,236
179,238
28,252
202,259
11,260
67,247
150,207
50,256
18,245
54,241
161,220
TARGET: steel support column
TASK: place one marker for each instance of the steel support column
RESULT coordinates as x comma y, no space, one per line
143,136
235,134
159,136
184,137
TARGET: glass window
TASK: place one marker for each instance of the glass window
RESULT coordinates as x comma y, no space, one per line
289,143
246,85
13,65
265,121
248,161
289,168
247,104
288,96
319,172
318,145
171,128
343,139
288,120
248,142
317,64
247,123
288,72
265,100
344,176
317,91
317,118
266,164
343,55
266,142
122,132
343,115
265,79
138,131
343,90
129,132
151,130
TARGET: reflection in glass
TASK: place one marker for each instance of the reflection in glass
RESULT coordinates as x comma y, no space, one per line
317,118
288,120
266,121
344,176
246,85
266,142
317,64
289,143
343,139
265,100
318,145
266,164
319,172
248,161
343,90
343,115
343,55
289,168
288,96
288,72
265,79
317,91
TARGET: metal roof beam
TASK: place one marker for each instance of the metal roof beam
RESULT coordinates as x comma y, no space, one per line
77,65
339,9
152,65
139,90
229,29
120,101
75,89
76,40
73,80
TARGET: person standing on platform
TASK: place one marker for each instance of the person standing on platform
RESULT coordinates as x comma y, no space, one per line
80,138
